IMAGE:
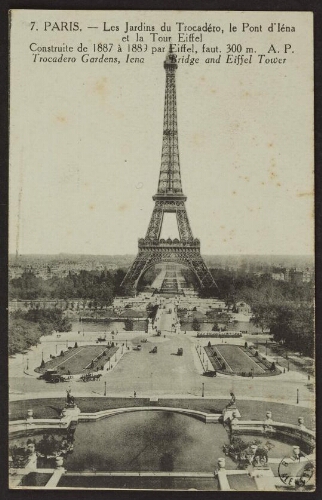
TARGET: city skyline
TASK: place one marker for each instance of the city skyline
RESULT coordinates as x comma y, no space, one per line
276,255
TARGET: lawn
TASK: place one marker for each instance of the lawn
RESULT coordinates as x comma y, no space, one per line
237,360
76,360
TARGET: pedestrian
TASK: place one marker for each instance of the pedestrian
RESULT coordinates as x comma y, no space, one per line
134,394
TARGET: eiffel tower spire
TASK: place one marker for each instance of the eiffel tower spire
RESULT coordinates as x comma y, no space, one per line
170,178
169,199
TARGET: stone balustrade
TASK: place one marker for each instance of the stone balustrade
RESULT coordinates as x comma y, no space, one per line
200,415
33,425
275,429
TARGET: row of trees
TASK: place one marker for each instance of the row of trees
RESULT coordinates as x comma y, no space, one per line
252,288
101,286
26,328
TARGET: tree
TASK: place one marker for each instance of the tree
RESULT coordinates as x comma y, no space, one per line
215,328
195,325
118,278
294,326
22,335
151,310
128,325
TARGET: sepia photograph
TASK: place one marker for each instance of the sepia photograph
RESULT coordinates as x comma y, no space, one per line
161,251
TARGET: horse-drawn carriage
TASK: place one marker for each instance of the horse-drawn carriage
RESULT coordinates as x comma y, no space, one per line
52,376
90,377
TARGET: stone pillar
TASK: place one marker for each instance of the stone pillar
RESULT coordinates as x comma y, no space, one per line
222,476
59,462
30,418
235,415
253,447
32,462
31,448
301,423
268,421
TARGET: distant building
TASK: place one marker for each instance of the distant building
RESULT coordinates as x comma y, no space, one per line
278,276
307,276
298,276
243,308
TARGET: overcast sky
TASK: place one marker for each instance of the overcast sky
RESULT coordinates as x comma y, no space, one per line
85,148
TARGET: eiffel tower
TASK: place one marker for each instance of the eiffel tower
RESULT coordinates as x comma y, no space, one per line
169,199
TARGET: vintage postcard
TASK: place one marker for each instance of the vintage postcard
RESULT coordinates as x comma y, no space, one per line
161,267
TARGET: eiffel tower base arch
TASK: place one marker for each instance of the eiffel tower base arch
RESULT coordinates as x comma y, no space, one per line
184,253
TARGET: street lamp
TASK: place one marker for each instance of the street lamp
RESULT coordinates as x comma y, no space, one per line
104,388
266,348
27,363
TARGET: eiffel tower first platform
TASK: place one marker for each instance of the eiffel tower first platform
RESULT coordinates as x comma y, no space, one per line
169,199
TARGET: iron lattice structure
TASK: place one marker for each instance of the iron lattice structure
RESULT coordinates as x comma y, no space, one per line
169,199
